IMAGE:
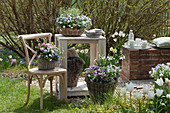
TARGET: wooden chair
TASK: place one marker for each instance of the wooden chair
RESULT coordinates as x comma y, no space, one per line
39,74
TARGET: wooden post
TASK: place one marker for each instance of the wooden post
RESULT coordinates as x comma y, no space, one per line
63,46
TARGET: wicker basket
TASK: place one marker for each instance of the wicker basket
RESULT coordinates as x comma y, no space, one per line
44,64
71,32
98,92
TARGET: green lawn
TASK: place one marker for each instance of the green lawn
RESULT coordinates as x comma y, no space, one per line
13,95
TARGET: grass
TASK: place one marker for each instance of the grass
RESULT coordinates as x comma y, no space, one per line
13,95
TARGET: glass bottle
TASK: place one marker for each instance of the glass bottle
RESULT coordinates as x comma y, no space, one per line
131,35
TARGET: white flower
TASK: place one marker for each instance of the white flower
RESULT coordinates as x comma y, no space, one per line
64,26
162,65
115,39
123,90
150,72
82,51
88,75
138,96
116,33
153,70
161,75
69,25
10,56
146,89
168,96
121,33
113,35
167,80
159,92
86,51
168,63
77,50
123,57
130,86
103,58
151,94
160,82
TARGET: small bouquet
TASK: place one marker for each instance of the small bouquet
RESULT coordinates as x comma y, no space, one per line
72,21
49,52
105,74
161,70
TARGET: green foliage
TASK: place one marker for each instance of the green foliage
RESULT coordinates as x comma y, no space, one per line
11,61
84,55
145,17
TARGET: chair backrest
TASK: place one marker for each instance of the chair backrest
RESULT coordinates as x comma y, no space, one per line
22,38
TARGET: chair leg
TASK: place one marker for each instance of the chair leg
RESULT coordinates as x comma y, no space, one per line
51,86
65,88
28,93
41,93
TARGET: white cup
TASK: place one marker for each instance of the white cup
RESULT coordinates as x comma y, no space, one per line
138,41
144,43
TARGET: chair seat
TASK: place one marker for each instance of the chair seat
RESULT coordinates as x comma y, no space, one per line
36,71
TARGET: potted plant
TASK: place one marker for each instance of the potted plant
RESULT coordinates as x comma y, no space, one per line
71,24
101,79
48,55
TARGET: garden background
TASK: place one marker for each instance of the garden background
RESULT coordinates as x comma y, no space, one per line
147,18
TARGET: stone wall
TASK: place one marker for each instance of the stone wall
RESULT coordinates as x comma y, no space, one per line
138,63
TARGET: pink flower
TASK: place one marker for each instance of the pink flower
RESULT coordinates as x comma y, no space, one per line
76,20
44,44
74,25
42,49
39,45
13,61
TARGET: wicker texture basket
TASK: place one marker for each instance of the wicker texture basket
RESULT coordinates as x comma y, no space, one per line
71,32
74,70
44,64
98,92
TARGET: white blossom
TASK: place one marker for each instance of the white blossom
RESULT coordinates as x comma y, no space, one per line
130,86
159,92
138,96
146,89
123,90
160,82
151,94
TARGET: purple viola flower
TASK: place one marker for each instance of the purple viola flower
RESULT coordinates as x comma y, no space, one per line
169,73
52,56
56,54
99,70
33,63
90,67
95,75
95,71
117,68
101,82
21,62
100,73
115,76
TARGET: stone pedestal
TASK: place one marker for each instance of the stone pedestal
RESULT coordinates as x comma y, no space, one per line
138,63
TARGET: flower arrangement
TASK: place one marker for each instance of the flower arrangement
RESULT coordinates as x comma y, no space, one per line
161,70
48,52
116,51
105,61
105,74
73,21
